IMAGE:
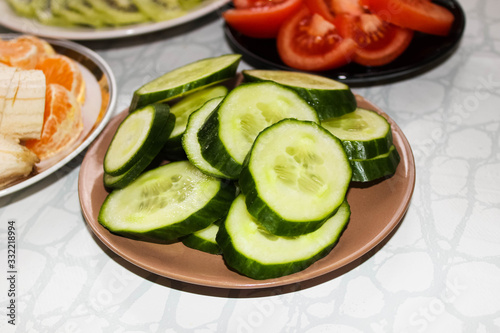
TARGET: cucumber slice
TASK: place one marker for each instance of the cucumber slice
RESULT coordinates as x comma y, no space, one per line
167,202
115,182
228,133
190,141
253,252
183,109
138,134
174,154
192,76
122,180
204,240
330,98
364,133
295,177
374,168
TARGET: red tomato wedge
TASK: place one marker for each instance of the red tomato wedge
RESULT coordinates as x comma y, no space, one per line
420,15
307,41
346,7
260,19
320,7
240,4
379,42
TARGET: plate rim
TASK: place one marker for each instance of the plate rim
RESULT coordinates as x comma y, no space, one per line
106,70
9,19
390,76
393,222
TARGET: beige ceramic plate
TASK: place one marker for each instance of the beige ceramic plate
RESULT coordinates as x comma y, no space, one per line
100,100
376,211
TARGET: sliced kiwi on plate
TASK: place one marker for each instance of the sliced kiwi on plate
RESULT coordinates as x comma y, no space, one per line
160,10
119,12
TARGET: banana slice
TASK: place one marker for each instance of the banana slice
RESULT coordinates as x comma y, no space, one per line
22,103
6,75
16,161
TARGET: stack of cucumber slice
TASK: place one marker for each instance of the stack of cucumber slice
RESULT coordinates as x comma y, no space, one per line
365,134
367,140
138,140
229,132
182,110
263,169
330,98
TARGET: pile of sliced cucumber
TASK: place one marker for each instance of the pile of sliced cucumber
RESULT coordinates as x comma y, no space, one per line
259,173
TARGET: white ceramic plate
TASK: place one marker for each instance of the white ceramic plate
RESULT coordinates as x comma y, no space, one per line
11,20
99,104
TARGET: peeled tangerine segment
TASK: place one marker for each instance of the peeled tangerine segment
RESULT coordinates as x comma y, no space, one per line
62,124
296,176
167,202
65,71
20,54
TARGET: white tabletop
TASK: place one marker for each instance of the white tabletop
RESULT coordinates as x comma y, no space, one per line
438,272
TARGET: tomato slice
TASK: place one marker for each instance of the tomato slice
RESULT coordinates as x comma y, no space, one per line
260,19
307,41
420,15
379,42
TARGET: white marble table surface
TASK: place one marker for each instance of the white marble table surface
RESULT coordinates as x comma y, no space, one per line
439,272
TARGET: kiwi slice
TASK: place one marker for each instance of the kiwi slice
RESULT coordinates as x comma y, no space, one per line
85,8
160,10
189,4
43,12
119,12
22,7
63,9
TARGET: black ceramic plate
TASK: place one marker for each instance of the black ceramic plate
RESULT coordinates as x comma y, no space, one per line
425,52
